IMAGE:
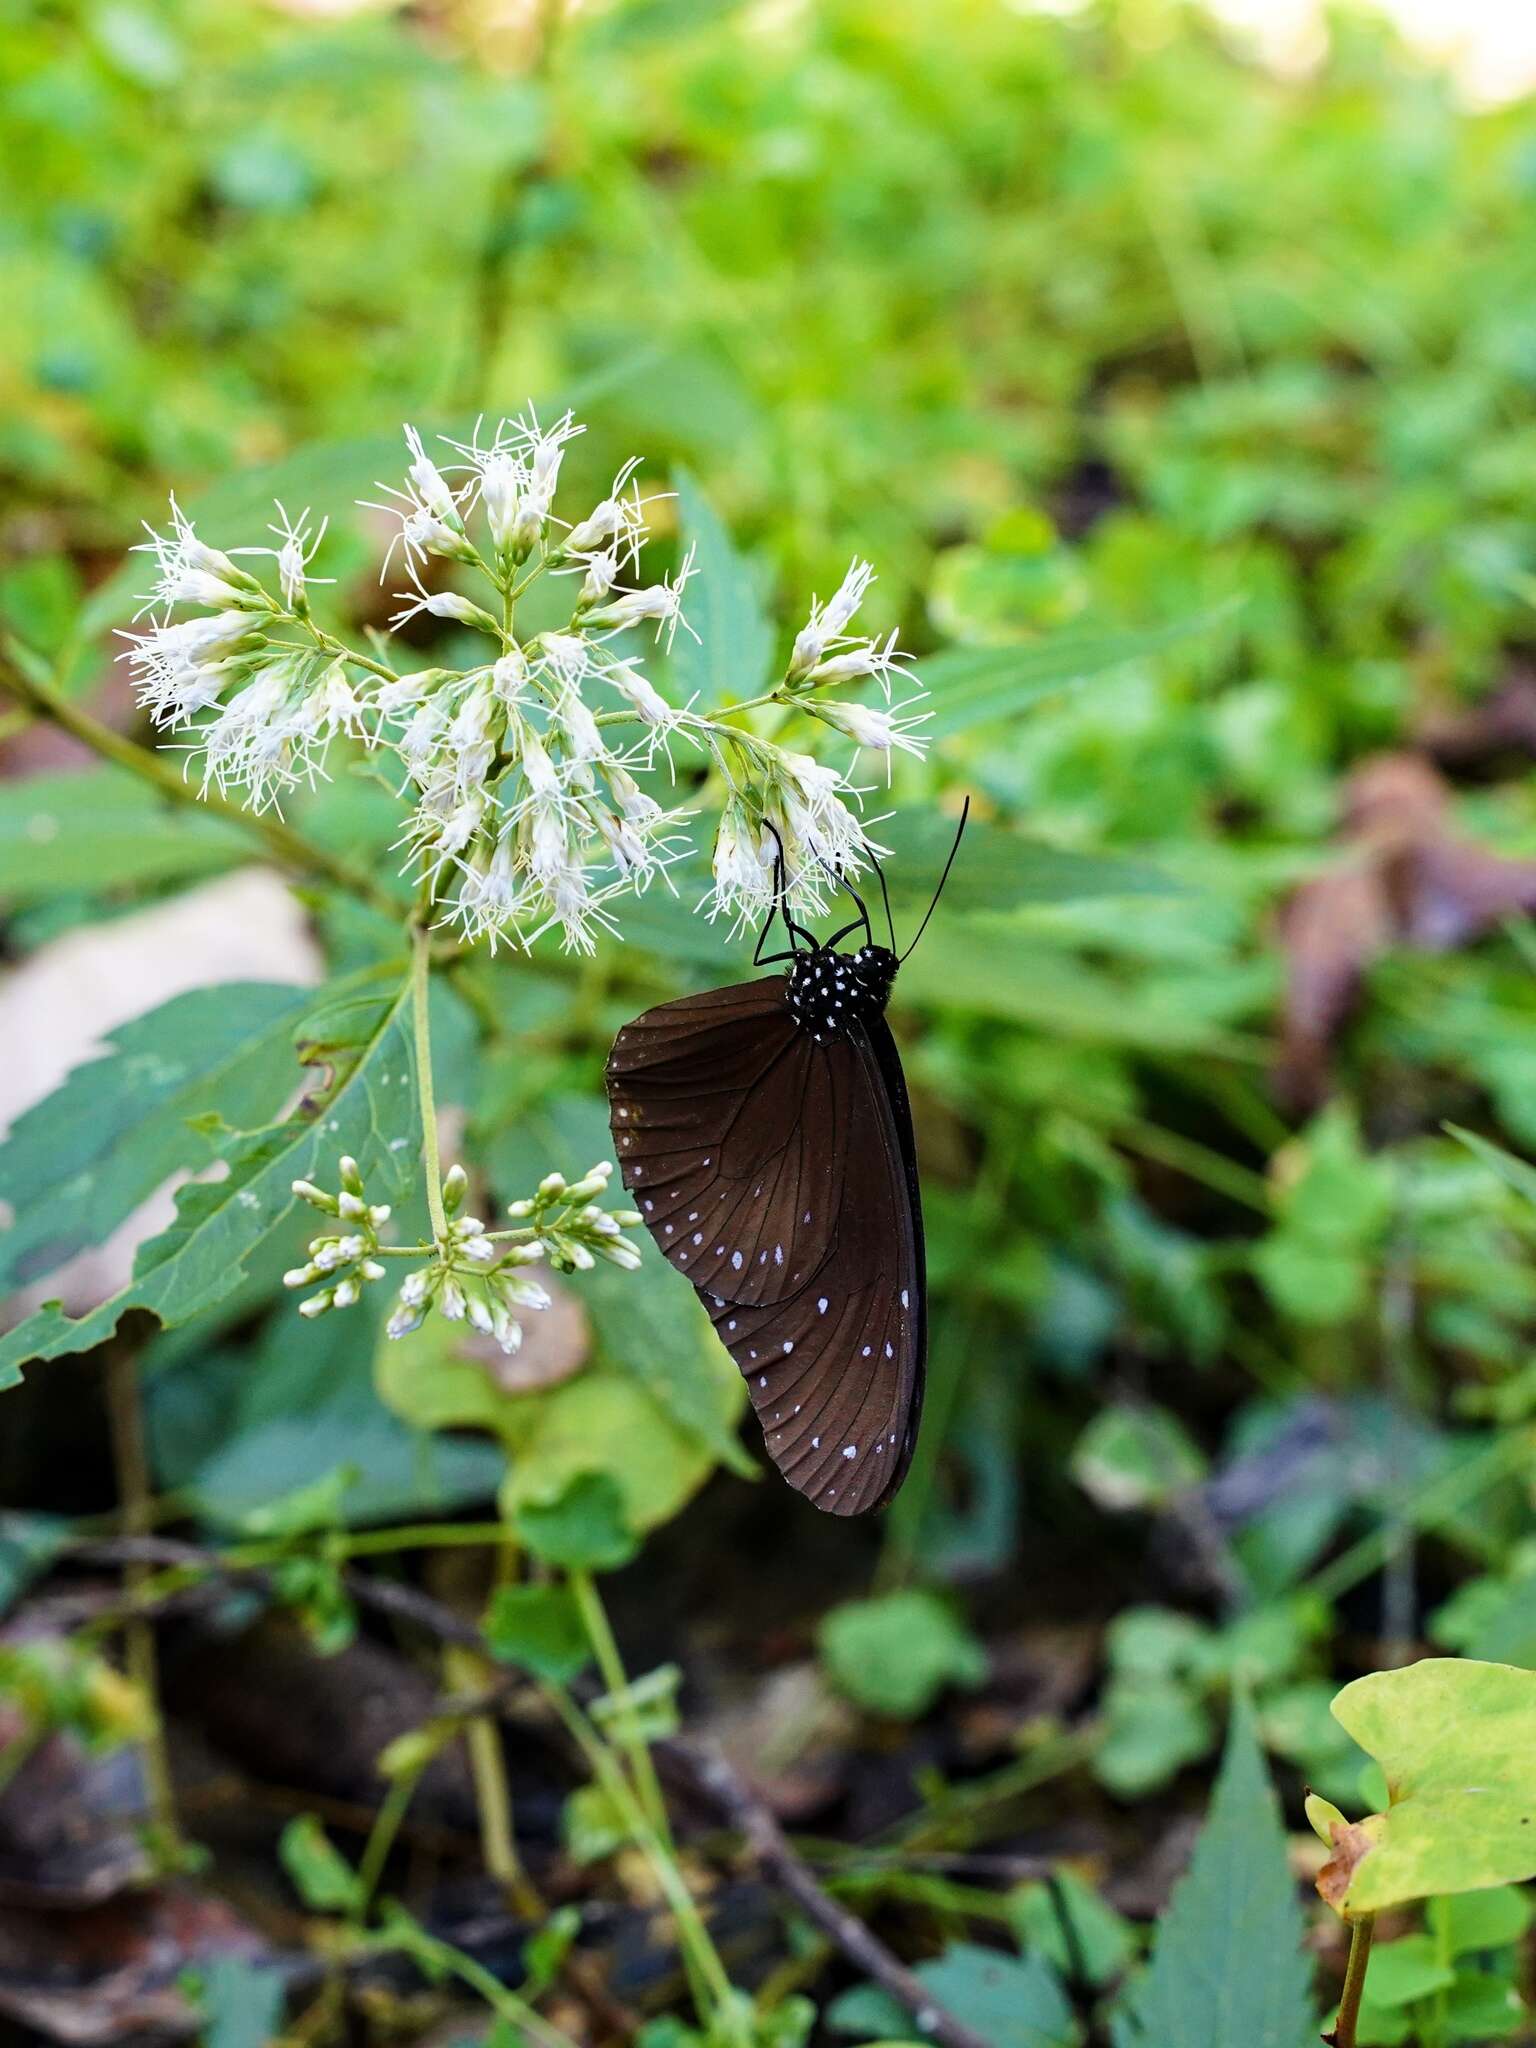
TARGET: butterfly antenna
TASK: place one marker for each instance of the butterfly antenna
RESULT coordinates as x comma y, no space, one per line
885,897
781,887
959,833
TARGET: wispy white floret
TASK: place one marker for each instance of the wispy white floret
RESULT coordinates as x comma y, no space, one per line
825,625
662,602
881,731
191,572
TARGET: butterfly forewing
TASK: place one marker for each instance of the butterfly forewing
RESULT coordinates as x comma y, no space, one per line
777,1174
719,1116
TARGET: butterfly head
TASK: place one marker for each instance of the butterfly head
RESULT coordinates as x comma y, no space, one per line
828,991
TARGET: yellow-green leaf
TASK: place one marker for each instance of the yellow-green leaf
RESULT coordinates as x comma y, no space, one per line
1456,1740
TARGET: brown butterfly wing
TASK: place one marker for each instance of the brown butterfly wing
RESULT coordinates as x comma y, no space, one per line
723,1108
719,1114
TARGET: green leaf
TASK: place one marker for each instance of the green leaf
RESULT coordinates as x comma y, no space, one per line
723,605
998,869
1402,1971
538,1628
80,1161
1011,2001
1228,1969
1484,2008
1457,1742
232,1424
544,1952
359,1032
100,830
1100,1944
650,1325
895,1654
321,1875
582,1527
1468,1922
592,1825
242,2004
1152,1728
1516,1173
1135,1457
972,685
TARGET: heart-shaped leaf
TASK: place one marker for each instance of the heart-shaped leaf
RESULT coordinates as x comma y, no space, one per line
1456,1740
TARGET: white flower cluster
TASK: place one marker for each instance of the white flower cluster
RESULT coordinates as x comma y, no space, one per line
472,1274
523,767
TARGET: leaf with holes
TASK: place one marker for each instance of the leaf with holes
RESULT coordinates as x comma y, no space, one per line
357,1037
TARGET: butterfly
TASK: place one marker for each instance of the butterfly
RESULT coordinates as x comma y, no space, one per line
765,1135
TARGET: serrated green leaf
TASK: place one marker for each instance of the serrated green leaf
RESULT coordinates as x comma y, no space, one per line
358,1033
1228,1969
1456,1740
102,830
723,605
538,1628
75,1165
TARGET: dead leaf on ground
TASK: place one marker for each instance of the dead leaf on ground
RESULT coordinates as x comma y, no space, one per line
112,1973
1405,878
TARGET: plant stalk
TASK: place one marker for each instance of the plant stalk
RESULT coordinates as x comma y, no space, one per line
421,947
288,848
1346,2026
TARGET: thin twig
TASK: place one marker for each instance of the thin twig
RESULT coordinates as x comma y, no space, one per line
765,1838
288,848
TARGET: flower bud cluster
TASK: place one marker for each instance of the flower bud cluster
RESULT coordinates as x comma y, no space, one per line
470,1273
345,1259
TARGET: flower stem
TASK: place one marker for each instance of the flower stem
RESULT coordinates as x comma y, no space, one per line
421,1020
288,848
594,1619
1346,2026
381,1837
493,1796
702,1957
